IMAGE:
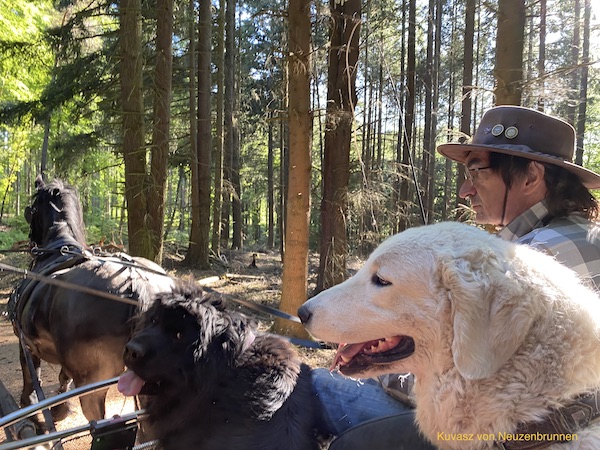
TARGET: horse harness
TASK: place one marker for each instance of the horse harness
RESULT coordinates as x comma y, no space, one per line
560,426
71,253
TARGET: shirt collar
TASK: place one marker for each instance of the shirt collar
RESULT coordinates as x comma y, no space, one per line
534,217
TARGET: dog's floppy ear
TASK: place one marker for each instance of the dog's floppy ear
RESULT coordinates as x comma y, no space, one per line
491,310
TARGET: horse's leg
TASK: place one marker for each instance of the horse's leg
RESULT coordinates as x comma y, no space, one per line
61,411
92,405
105,366
28,395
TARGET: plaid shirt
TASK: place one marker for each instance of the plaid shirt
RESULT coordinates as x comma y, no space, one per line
573,240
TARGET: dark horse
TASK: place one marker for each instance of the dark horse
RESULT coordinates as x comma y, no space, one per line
82,332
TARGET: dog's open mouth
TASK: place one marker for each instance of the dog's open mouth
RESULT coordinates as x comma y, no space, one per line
353,358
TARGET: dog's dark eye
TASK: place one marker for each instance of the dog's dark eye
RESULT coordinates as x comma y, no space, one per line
378,281
178,335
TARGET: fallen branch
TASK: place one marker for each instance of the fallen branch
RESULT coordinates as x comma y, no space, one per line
236,275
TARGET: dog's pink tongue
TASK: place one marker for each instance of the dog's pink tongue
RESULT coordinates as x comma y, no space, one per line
130,384
345,353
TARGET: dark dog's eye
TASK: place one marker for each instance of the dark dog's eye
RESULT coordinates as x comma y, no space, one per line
179,335
378,281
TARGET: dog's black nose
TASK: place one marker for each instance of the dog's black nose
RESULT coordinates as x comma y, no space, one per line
304,314
133,350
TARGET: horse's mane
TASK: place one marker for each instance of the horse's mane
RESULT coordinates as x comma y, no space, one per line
69,208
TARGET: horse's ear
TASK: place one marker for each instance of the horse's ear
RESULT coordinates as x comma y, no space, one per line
39,182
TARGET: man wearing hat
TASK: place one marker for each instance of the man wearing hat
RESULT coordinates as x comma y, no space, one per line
520,178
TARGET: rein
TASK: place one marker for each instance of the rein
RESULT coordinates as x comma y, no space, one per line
65,250
64,284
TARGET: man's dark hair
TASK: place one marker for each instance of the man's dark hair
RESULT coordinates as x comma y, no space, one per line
566,192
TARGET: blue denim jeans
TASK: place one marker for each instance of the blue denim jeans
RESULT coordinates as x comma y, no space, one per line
346,402
384,421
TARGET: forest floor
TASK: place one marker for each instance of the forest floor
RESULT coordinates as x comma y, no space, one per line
238,278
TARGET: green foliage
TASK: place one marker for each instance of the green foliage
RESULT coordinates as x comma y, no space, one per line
14,229
26,62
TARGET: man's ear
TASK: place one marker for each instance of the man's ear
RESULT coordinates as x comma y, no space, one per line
491,311
534,178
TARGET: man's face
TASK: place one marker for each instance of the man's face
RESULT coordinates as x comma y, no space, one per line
485,189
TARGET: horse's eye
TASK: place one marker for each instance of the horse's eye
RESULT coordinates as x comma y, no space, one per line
378,281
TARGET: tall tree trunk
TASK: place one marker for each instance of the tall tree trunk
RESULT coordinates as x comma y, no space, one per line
178,195
284,157
134,149
228,119
428,132
145,193
220,132
184,195
270,186
467,96
509,52
435,94
161,127
236,201
395,204
582,114
409,117
341,99
45,143
542,57
295,267
198,250
575,47
193,117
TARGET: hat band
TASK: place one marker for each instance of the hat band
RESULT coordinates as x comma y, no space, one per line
526,149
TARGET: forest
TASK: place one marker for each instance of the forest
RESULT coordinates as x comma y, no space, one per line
297,126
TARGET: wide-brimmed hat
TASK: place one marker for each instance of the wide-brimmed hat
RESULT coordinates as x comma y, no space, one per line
524,132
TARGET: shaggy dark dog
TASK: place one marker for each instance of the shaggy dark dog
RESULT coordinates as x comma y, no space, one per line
219,383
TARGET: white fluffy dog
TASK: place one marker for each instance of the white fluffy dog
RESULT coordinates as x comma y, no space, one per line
503,340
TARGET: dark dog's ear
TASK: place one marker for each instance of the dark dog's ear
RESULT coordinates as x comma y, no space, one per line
237,336
491,310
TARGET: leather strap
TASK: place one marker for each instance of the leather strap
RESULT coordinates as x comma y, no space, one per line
559,426
20,298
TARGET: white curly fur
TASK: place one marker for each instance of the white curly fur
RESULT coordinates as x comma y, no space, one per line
502,332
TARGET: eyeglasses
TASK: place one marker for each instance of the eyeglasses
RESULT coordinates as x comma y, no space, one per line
473,174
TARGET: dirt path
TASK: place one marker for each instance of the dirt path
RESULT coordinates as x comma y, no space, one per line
259,284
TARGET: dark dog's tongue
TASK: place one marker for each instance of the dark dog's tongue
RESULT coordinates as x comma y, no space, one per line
130,384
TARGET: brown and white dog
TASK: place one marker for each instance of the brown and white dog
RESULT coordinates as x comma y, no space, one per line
503,340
